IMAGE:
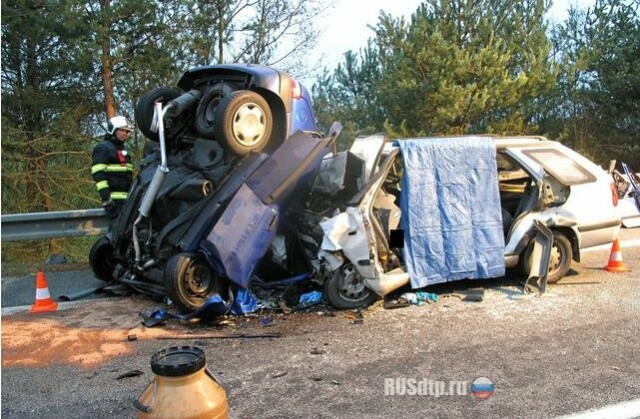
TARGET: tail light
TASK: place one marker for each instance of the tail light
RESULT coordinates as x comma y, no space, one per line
614,194
296,90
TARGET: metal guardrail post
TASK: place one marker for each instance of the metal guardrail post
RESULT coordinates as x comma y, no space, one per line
48,225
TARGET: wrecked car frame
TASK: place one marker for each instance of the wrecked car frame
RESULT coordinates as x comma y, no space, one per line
214,240
206,205
212,209
363,253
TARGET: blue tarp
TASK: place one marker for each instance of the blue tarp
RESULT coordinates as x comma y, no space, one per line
451,213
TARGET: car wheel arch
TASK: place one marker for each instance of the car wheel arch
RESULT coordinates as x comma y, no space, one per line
563,237
279,114
572,235
569,232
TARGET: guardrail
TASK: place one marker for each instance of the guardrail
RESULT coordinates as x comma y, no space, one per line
53,224
49,225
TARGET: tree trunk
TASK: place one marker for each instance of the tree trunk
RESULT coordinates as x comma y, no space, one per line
221,28
107,61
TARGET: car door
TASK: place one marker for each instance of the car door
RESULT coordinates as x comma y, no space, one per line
521,230
576,193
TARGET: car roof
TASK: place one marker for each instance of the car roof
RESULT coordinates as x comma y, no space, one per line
506,141
516,142
499,140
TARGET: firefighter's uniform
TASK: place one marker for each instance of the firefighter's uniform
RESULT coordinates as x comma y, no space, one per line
112,171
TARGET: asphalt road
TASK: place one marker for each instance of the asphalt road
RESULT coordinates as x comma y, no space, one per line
572,349
20,290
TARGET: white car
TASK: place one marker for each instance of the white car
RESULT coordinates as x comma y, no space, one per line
539,183
573,196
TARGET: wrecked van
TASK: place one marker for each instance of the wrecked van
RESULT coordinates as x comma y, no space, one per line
431,210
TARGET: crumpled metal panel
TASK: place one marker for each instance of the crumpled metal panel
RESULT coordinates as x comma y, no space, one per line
288,167
330,178
242,235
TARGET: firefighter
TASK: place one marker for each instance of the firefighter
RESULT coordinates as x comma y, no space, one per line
112,169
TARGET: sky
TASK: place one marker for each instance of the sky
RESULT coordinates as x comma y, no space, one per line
345,24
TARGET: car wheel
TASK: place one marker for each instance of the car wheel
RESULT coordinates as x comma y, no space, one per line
243,122
347,289
146,107
101,259
189,281
205,119
559,261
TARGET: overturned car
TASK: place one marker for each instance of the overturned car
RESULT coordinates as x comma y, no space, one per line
242,107
236,148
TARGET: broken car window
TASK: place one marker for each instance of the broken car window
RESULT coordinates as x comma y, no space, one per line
560,166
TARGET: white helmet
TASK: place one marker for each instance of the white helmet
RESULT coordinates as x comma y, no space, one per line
118,122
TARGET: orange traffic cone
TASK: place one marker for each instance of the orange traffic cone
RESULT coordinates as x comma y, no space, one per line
43,298
615,259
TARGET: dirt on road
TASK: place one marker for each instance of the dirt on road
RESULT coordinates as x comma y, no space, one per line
572,349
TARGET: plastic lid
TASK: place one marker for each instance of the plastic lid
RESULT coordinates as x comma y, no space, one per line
177,361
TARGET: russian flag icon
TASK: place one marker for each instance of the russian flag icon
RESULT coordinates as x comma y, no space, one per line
482,388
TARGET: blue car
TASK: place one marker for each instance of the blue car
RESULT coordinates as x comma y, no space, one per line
237,149
244,107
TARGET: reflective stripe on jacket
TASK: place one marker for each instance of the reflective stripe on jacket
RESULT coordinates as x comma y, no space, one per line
111,169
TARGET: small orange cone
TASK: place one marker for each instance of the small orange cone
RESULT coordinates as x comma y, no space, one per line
615,259
43,298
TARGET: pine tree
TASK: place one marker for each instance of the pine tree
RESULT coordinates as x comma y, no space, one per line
459,67
597,103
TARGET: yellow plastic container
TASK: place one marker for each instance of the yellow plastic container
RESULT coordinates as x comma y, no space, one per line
182,388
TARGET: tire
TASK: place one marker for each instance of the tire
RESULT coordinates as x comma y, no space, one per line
346,289
205,118
243,122
146,107
560,260
189,281
101,259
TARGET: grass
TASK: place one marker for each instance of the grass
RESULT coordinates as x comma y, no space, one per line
27,256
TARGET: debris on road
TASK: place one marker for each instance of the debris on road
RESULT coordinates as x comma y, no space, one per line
156,317
419,297
356,316
469,295
129,374
283,306
309,299
221,336
391,303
